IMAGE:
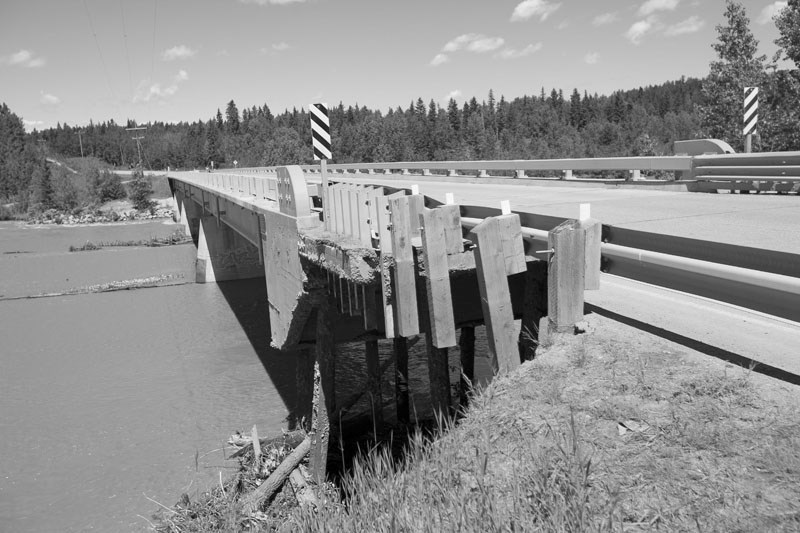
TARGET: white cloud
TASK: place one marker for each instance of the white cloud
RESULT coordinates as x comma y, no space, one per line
563,25
49,99
591,58
604,18
639,29
691,25
534,8
146,91
178,52
23,58
281,46
511,53
474,42
272,2
769,12
32,124
454,94
438,59
651,6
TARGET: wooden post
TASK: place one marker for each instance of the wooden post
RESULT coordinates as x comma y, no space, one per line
326,207
304,383
404,289
437,279
374,384
534,308
466,345
498,315
566,275
400,352
325,392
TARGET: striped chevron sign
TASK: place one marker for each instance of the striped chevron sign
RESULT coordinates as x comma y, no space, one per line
320,131
750,110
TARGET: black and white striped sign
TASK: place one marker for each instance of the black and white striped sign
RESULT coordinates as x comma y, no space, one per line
320,131
750,110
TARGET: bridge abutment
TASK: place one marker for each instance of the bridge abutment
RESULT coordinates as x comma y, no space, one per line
223,254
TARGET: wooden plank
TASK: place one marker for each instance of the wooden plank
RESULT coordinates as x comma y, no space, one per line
466,345
592,230
453,237
356,304
364,231
370,307
404,288
347,221
400,353
416,204
495,296
437,280
374,383
336,208
344,297
325,392
565,275
513,248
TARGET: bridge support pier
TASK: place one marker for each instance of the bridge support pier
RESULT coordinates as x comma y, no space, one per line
223,254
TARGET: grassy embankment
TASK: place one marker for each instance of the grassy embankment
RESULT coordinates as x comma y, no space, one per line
609,431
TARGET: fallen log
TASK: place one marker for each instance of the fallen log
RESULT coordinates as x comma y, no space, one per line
253,501
302,491
291,439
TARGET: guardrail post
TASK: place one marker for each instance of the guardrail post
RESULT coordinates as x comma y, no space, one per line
566,275
567,175
490,265
404,287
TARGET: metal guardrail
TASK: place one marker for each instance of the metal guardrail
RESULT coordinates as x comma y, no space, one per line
762,280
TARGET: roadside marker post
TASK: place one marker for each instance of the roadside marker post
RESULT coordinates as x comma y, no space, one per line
750,117
321,143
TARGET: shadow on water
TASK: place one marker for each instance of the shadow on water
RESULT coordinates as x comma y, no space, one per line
248,301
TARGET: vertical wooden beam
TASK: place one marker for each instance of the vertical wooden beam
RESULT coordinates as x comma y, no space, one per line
495,296
466,345
370,307
565,283
533,310
437,279
363,204
325,393
382,216
513,248
400,352
404,289
304,383
438,376
374,383
592,230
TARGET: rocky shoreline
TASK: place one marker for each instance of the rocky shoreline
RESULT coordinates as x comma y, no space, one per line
52,216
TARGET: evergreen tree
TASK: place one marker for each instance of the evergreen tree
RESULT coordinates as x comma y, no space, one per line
232,117
140,191
453,116
737,67
41,188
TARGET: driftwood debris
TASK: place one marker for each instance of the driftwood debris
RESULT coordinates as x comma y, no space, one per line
253,501
303,492
290,439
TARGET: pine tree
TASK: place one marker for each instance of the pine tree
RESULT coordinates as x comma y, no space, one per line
232,117
738,67
453,116
140,191
41,188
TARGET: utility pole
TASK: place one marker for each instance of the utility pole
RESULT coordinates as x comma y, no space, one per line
78,133
137,139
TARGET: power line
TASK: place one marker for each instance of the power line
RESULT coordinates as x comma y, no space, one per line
99,51
125,41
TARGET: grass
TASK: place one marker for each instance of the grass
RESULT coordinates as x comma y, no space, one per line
597,434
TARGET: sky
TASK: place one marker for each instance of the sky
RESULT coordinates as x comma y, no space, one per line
72,61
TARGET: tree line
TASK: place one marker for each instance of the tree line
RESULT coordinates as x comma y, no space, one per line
643,121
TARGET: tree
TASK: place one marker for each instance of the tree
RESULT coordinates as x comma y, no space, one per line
738,67
140,191
232,117
41,189
65,194
788,24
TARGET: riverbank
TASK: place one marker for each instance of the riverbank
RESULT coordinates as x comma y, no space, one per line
607,431
115,211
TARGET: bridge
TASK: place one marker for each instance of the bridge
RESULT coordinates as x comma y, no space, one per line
361,254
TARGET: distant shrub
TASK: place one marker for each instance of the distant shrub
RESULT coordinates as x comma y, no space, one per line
140,191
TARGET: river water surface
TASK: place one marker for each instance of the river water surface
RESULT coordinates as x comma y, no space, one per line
110,401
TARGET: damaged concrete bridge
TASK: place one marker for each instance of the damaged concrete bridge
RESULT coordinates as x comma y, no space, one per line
350,257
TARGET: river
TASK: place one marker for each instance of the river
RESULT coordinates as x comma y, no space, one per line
112,401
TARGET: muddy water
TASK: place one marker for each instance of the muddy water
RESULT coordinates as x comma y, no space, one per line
111,400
